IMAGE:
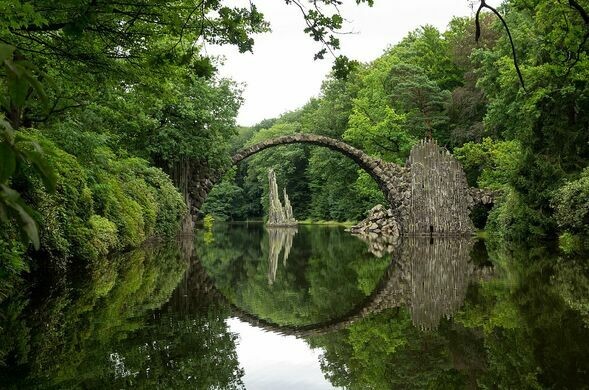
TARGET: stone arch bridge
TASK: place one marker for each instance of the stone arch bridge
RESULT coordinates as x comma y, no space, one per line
429,195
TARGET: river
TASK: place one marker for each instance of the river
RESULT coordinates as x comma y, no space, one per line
313,307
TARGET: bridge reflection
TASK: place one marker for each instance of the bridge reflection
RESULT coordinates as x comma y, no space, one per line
439,272
430,277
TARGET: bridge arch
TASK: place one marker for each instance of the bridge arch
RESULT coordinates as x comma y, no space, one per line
390,177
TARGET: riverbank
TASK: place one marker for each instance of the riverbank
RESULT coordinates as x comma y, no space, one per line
327,223
102,203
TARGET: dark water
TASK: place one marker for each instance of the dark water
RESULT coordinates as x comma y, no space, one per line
309,308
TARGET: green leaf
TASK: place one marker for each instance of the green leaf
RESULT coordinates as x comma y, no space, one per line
12,199
13,69
6,130
6,52
28,224
36,85
39,162
18,89
7,162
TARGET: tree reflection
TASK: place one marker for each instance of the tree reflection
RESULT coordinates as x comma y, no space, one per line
514,330
327,275
105,330
433,318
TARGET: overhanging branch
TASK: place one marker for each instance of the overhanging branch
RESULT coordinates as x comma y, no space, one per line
513,52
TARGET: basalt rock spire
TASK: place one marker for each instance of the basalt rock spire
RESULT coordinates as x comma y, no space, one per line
277,214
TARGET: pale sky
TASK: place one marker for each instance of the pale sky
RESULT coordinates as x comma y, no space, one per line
281,75
272,361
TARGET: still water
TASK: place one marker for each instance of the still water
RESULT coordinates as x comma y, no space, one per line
242,306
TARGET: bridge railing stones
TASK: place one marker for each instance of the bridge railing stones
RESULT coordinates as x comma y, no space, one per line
483,196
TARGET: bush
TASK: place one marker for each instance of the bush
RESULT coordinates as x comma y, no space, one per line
101,203
12,262
513,219
104,234
489,164
571,204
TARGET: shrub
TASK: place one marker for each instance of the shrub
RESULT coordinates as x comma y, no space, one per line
101,203
489,164
513,219
12,261
104,234
571,204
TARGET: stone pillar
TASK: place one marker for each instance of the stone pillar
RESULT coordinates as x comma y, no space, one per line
278,215
288,214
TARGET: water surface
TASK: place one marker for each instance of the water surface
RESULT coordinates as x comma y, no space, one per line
242,306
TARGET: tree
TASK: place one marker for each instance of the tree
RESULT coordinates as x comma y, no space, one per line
548,119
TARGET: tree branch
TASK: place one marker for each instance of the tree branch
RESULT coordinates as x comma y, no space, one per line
513,52
580,10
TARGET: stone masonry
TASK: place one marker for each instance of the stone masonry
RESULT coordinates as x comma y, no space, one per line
428,196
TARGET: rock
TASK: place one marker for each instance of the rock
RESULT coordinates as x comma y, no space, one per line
278,215
380,221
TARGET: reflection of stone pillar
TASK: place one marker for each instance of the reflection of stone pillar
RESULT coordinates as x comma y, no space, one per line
278,239
440,272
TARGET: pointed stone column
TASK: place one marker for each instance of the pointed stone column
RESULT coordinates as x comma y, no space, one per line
275,211
288,214
278,215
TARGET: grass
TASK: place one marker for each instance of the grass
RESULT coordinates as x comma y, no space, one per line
327,223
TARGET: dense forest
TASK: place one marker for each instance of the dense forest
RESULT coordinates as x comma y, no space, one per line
107,108
530,143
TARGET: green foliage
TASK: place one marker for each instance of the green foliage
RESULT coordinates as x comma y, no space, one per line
80,332
12,260
571,204
101,203
513,219
105,234
420,99
374,125
489,164
16,152
224,200
572,279
548,119
208,222
569,243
